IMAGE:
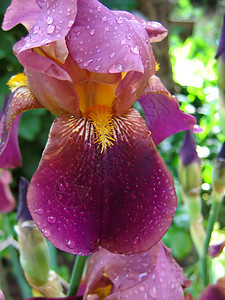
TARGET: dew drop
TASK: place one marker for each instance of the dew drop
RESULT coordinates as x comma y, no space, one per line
115,69
70,24
119,20
46,232
104,19
107,29
87,63
92,32
113,55
39,211
97,68
70,244
61,187
50,29
136,241
51,219
49,20
135,50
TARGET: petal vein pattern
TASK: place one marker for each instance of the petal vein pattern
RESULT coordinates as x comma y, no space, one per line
122,199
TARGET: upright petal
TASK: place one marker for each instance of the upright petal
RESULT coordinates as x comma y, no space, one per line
7,201
150,275
122,199
162,114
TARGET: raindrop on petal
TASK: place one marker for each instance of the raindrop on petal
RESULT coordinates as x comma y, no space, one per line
46,232
39,211
70,244
50,29
51,219
115,69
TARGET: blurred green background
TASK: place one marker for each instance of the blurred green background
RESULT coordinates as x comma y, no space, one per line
194,30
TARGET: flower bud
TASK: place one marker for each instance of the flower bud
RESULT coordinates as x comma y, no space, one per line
216,249
218,174
34,252
189,168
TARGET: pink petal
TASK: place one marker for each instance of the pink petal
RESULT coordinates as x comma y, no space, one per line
58,96
98,33
150,275
7,201
24,12
162,114
122,199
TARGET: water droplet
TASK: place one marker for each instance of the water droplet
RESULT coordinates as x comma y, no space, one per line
119,20
49,20
104,19
46,232
135,50
70,24
113,55
39,211
50,29
115,69
51,219
61,187
123,42
36,29
107,29
87,63
152,292
142,276
136,241
92,32
97,68
70,244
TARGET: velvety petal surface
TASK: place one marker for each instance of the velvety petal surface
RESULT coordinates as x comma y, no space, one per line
122,199
150,275
162,114
24,12
7,201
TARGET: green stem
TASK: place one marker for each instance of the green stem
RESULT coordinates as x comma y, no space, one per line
216,200
25,290
53,257
76,275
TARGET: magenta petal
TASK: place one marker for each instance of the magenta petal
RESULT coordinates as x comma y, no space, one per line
10,157
150,275
9,148
212,292
7,201
24,12
162,114
98,33
122,199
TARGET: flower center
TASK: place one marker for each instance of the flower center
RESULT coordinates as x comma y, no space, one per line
92,92
101,117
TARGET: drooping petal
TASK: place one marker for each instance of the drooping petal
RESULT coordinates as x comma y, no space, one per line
162,114
188,152
24,12
7,201
20,101
122,199
150,275
155,30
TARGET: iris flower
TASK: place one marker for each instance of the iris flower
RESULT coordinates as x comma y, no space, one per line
100,180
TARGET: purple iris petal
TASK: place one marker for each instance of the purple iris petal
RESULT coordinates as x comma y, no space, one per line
212,292
20,100
162,114
10,156
122,199
7,201
150,275
188,152
221,47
